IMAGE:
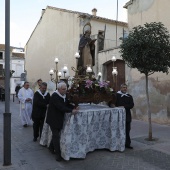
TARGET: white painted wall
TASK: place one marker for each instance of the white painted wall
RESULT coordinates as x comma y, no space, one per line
18,66
54,36
140,12
110,36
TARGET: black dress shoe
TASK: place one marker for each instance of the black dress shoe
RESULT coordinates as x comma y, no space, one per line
58,158
128,146
25,125
35,139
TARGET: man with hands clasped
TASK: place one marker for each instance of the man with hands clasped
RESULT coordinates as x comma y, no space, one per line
25,96
123,99
58,106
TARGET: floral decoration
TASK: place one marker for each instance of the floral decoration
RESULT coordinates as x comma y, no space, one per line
98,85
88,84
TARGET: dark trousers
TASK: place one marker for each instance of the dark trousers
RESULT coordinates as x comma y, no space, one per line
128,127
2,97
38,126
55,142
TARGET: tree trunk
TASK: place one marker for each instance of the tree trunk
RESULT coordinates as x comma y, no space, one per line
148,109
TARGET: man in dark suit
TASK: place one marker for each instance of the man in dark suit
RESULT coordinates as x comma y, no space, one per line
40,101
17,88
123,99
58,106
2,93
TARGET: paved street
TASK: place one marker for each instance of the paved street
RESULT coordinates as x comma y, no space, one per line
29,155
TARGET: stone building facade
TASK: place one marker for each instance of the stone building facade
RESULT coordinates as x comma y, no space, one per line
140,12
57,34
17,64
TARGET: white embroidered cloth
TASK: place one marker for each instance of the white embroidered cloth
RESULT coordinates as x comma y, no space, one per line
93,127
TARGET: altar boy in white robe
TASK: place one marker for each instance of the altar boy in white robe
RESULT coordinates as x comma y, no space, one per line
25,96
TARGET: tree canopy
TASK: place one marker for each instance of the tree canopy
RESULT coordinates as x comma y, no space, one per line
147,48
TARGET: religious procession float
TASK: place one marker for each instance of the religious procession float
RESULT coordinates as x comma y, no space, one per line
89,89
85,87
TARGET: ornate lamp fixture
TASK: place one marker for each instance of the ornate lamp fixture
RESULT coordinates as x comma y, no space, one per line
59,74
113,59
65,69
77,55
88,70
115,73
52,71
99,76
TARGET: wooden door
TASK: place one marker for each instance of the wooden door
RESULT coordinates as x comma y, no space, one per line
115,82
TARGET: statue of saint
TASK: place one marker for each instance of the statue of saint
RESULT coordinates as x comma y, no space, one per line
86,50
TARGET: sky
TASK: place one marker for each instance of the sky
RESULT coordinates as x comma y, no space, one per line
25,14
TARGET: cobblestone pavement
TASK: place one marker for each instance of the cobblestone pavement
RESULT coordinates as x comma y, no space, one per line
29,155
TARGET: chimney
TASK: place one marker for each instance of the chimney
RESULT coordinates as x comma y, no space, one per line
94,11
42,12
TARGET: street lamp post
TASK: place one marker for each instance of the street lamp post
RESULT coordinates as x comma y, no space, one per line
7,114
116,21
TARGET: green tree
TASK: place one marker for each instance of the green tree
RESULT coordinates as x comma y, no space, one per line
147,48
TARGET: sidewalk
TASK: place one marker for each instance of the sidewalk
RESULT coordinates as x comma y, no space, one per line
29,155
